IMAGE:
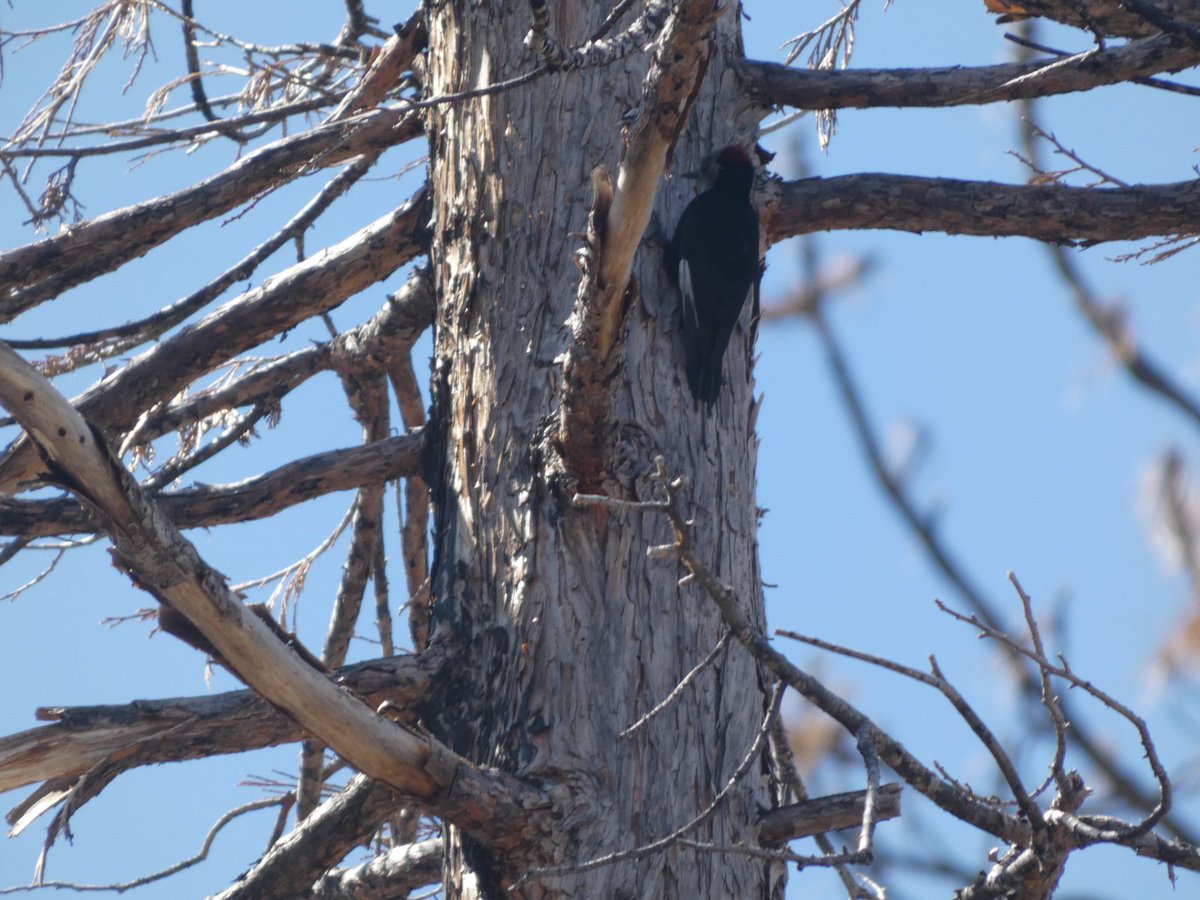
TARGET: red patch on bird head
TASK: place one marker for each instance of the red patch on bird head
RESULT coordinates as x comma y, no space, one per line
734,153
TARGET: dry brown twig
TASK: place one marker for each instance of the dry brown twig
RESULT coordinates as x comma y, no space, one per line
1040,842
679,835
986,608
1061,669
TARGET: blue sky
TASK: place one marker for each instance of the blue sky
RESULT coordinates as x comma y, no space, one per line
1038,445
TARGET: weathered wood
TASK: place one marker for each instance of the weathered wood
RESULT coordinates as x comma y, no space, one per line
42,270
820,815
1047,212
183,728
570,631
392,874
1122,18
318,284
163,563
299,859
254,498
975,85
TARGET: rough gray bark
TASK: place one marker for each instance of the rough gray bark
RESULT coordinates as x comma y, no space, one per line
1126,18
567,631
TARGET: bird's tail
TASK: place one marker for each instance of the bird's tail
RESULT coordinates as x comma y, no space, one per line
705,383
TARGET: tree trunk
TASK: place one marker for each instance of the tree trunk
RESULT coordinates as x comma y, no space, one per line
566,631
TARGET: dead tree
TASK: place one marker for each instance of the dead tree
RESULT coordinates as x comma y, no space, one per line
589,700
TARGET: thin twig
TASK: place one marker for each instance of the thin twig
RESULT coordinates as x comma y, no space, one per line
124,337
1107,320
236,432
983,816
871,762
11,550
678,834
200,856
172,136
1049,699
679,688
937,680
1063,670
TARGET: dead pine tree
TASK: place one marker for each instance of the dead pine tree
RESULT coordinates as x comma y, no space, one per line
590,705
557,373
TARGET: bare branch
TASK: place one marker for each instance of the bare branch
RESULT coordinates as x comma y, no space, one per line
402,869
687,679
320,283
414,510
1062,670
318,842
834,812
890,750
38,271
366,392
254,498
956,574
157,137
196,81
1131,18
937,680
1055,212
150,732
198,857
956,85
165,564
133,333
390,332
391,60
238,431
1107,319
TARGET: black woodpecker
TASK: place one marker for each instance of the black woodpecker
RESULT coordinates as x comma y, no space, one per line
713,260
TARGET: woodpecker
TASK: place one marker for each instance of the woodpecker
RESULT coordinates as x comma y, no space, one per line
713,260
